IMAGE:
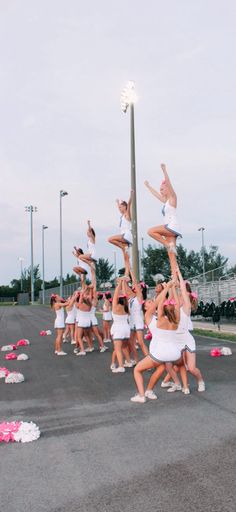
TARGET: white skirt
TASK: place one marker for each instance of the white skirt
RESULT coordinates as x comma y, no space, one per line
83,319
163,347
186,341
127,235
70,319
136,323
120,331
59,324
107,316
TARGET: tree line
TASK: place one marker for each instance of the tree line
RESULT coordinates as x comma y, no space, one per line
155,261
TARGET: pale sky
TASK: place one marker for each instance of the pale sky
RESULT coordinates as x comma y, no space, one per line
63,66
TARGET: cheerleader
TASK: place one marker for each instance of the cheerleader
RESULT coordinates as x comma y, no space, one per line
82,267
167,232
163,348
136,320
90,256
120,330
58,304
70,320
188,301
107,317
94,320
125,239
83,319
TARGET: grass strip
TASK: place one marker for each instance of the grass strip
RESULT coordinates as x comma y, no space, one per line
215,334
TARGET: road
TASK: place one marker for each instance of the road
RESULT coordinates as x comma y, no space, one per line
100,452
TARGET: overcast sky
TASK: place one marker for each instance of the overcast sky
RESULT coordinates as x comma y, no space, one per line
63,66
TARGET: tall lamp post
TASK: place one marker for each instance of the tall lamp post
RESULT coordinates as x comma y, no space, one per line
21,273
115,268
128,98
43,285
63,193
202,229
31,209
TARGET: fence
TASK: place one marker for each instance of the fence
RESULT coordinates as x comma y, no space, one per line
216,291
7,299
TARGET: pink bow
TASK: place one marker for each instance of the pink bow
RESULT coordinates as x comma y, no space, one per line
194,295
169,302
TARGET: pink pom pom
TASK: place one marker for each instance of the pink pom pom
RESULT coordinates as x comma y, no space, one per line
215,352
10,356
148,336
43,333
14,347
22,343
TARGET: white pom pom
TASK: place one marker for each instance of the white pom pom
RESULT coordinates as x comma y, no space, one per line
22,357
14,378
27,432
226,351
5,348
48,332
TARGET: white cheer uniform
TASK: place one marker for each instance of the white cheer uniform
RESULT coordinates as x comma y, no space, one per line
83,265
71,316
185,340
126,230
120,329
83,319
91,249
107,315
163,347
170,219
60,319
136,315
94,319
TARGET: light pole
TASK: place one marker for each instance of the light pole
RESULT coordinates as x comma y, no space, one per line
128,98
43,286
202,229
31,209
142,256
21,273
62,194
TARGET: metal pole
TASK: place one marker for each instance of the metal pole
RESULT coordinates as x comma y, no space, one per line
142,256
61,270
135,252
43,269
21,277
203,256
32,254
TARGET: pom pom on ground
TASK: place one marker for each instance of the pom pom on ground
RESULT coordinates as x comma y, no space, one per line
226,351
5,348
10,356
215,352
18,431
4,372
14,378
22,357
23,343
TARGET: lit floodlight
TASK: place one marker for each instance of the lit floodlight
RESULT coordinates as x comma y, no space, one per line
128,96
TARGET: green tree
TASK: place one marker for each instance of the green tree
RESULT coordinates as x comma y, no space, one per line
104,271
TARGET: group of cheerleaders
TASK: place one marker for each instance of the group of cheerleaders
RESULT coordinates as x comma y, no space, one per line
172,349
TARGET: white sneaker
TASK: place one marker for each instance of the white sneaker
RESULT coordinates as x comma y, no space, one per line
128,365
150,394
76,350
89,349
113,366
65,340
61,353
103,349
186,391
133,362
201,386
138,398
120,369
81,353
107,341
175,387
56,352
167,384
73,342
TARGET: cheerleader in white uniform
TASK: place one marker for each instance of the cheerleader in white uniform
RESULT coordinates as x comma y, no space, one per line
94,320
167,232
58,305
107,317
188,301
82,267
163,349
83,320
90,256
70,320
136,320
125,239
120,330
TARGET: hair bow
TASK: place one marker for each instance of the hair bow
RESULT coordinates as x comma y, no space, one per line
194,295
169,302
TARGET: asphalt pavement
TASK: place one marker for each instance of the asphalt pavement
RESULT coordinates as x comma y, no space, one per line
100,452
